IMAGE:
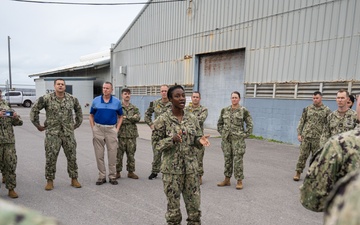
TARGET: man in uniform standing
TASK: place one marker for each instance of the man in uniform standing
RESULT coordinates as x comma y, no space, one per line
339,156
8,158
59,129
201,113
127,135
341,120
157,107
309,130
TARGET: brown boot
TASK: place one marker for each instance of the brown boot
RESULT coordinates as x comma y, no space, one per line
239,185
12,194
297,176
118,175
75,183
132,175
200,180
226,182
50,185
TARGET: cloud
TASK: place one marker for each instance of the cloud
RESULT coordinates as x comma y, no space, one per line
47,36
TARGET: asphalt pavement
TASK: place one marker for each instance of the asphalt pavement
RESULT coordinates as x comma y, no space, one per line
270,196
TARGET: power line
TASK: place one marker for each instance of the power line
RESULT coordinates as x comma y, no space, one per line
89,3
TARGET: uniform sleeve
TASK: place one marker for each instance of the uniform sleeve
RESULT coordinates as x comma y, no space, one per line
301,122
35,111
220,123
161,140
326,134
198,135
148,114
17,121
343,202
78,113
249,123
332,164
134,118
202,116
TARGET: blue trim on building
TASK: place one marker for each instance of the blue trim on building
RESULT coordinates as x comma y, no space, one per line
278,118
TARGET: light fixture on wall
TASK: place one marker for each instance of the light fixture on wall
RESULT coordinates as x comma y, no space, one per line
187,56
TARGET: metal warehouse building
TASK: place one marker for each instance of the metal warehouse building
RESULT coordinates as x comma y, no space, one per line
276,53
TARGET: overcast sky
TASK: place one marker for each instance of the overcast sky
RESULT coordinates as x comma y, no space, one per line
46,36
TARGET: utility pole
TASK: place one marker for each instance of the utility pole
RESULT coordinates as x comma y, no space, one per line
9,62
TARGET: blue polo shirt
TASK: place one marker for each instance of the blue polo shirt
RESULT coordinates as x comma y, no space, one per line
106,113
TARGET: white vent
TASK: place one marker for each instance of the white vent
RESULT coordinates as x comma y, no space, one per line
122,70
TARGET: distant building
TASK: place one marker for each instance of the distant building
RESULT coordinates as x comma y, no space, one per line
275,53
83,79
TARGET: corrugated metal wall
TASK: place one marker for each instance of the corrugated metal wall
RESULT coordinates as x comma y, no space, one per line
285,40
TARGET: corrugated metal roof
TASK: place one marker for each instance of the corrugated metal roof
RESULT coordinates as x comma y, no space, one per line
285,41
96,60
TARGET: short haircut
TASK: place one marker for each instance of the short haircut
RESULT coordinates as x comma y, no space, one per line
172,89
317,93
165,85
126,90
196,92
108,82
58,79
342,91
236,92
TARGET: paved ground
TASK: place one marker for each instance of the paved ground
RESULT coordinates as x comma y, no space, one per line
269,195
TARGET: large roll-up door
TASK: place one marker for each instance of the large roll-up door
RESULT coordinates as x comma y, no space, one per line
219,75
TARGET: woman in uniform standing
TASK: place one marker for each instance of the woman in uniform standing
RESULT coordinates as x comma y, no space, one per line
233,133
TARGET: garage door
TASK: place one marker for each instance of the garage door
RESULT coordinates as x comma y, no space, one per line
219,75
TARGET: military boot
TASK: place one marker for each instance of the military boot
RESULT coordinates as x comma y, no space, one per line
239,185
132,175
12,194
297,176
50,185
226,182
75,183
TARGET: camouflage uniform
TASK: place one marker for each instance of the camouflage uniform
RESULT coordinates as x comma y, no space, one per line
336,124
179,165
310,127
16,215
231,127
201,113
8,158
157,107
59,132
339,156
127,137
342,207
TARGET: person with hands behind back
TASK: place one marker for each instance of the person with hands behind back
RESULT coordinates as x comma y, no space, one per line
176,133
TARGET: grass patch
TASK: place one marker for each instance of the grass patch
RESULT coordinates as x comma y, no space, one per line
262,138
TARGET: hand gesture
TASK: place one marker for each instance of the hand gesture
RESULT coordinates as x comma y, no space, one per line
41,128
205,141
177,137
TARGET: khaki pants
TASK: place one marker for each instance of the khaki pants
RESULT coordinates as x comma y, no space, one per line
102,136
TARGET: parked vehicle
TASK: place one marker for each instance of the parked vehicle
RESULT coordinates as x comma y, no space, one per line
19,98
